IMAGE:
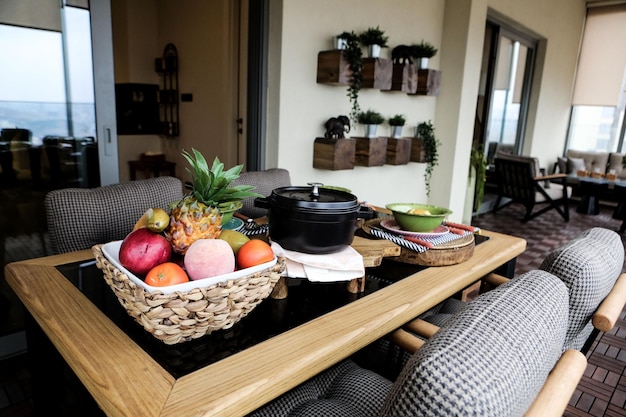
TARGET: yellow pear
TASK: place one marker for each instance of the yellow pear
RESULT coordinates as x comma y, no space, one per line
234,238
154,219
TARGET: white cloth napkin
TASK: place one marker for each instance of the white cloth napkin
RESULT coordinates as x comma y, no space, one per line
344,265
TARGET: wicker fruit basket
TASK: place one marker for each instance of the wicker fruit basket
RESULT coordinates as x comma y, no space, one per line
185,315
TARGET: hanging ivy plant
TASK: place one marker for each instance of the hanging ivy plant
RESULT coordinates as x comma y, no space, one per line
426,132
353,54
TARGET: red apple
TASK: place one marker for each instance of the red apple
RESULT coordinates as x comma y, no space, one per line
142,249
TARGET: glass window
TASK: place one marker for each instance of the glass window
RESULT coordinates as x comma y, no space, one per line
40,89
597,117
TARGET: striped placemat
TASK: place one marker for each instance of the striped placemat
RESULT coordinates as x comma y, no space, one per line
372,227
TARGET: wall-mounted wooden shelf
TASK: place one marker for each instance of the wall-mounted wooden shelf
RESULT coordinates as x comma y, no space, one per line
398,151
334,154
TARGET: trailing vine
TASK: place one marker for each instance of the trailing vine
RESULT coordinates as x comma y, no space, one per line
426,132
353,55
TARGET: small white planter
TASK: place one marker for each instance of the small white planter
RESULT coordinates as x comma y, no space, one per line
340,43
373,51
396,131
422,63
370,131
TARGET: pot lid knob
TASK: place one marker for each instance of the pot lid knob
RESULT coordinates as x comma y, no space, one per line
315,191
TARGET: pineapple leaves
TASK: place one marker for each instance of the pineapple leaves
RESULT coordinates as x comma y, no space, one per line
212,186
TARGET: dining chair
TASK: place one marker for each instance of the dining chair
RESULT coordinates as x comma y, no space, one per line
264,183
591,267
497,357
521,181
79,218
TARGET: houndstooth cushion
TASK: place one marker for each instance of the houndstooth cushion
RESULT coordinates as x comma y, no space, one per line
492,358
589,265
264,183
79,218
345,390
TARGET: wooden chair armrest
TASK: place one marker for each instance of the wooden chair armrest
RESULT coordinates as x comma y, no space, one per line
560,385
609,310
494,279
405,340
549,177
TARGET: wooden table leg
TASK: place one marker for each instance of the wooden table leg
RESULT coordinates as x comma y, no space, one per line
280,290
356,285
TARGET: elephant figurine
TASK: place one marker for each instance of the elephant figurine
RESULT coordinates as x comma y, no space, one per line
337,127
401,54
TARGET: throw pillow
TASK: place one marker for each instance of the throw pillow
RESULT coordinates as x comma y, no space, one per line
575,164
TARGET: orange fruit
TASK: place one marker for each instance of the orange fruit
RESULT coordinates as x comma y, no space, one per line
254,252
167,273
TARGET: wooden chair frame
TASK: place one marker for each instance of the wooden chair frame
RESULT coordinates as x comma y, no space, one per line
516,180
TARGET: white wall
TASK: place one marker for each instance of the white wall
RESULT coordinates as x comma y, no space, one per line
302,105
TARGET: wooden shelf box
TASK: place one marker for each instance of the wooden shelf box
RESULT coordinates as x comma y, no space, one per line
404,78
398,151
334,154
333,68
428,82
370,152
418,154
377,73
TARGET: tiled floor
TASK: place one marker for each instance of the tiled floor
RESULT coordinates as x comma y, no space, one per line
602,392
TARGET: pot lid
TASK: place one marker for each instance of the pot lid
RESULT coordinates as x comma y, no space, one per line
314,198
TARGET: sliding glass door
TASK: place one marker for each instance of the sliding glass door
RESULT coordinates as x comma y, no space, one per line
57,107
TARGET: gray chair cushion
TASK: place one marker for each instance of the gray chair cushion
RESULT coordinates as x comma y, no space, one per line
589,265
492,358
264,182
79,218
345,390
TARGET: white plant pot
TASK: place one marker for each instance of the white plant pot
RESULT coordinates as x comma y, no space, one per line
370,131
340,43
423,63
396,131
373,51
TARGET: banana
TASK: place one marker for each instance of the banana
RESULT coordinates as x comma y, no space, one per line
154,219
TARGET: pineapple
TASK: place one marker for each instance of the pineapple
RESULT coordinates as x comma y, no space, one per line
197,215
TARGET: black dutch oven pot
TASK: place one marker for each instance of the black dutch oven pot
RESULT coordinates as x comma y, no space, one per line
312,219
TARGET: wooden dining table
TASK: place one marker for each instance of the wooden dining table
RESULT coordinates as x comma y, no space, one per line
125,380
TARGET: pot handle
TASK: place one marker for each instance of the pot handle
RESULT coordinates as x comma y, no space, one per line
261,202
365,212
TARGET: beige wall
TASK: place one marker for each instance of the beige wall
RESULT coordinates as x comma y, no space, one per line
205,35
457,28
298,106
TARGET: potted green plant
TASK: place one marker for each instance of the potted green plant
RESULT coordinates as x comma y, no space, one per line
426,132
396,122
371,119
422,52
354,56
478,163
374,39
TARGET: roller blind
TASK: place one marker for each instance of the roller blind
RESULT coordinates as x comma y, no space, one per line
602,62
39,14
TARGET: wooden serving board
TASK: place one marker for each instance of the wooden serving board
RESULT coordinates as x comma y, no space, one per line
450,253
374,250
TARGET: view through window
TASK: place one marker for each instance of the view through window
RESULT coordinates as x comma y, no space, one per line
46,80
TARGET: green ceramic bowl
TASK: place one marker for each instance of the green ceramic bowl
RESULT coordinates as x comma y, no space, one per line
228,208
418,222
